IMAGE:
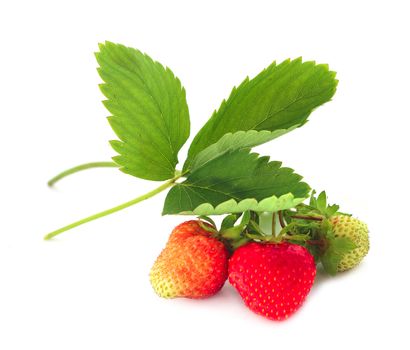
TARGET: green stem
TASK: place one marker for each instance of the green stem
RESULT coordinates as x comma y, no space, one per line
150,194
273,224
80,168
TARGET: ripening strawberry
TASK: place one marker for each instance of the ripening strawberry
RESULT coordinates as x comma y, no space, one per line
272,279
357,231
192,265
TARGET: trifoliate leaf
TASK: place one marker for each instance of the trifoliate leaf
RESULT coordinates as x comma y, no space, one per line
235,141
280,97
149,111
235,182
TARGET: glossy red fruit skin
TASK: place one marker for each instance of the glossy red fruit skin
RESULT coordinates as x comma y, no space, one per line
272,279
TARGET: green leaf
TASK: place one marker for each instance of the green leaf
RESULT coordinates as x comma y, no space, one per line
269,204
235,182
337,248
149,111
280,97
235,141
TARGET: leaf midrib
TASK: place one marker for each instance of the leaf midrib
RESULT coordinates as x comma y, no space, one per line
150,94
286,107
208,189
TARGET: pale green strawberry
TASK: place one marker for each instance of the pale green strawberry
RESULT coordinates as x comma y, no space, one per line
355,230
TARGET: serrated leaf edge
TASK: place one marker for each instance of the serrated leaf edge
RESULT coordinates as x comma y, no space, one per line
219,148
269,204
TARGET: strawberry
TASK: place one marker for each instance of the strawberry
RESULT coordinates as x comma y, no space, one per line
273,279
192,265
357,231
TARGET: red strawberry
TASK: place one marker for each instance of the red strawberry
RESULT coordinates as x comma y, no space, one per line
272,279
188,229
192,265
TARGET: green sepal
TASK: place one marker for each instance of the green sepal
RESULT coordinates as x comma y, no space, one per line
335,250
207,219
229,221
321,202
319,206
235,236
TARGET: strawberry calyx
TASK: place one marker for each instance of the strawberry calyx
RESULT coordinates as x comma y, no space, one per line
315,220
235,235
308,225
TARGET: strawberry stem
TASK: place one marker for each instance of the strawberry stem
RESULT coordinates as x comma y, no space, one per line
307,217
318,242
80,168
273,224
281,220
145,196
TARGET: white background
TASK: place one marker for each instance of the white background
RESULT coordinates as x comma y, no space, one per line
89,288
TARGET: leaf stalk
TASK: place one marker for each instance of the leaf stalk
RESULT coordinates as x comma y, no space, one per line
145,196
81,167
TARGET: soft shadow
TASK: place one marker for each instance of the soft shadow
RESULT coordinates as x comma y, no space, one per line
322,277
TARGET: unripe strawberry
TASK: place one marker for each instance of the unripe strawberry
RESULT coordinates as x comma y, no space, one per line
192,265
272,279
355,230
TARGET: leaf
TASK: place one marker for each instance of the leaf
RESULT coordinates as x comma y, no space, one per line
235,182
280,97
235,141
149,111
270,204
337,248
